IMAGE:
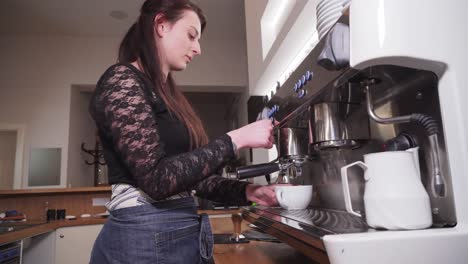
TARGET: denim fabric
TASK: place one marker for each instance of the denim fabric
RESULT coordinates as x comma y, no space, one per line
160,233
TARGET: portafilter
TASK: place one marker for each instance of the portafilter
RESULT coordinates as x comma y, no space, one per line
292,147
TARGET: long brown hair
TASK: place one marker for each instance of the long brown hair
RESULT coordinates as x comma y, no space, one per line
139,44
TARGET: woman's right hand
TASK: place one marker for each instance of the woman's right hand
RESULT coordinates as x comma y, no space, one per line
258,134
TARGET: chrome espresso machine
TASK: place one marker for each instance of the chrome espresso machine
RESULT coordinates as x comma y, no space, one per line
380,80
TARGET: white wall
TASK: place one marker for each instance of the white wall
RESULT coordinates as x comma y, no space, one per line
7,158
37,73
297,30
223,59
82,130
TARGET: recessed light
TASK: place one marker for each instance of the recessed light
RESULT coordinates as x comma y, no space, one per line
118,14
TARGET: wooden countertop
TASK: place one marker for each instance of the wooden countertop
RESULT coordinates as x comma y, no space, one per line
8,193
35,228
257,252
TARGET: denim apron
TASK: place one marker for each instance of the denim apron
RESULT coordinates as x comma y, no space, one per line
160,233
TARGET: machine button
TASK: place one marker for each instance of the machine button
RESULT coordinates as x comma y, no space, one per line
308,75
296,87
299,84
302,93
276,108
270,113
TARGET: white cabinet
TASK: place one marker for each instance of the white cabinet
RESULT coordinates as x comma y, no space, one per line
73,245
39,249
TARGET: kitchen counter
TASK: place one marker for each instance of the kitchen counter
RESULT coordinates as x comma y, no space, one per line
253,252
34,228
37,228
30,192
257,252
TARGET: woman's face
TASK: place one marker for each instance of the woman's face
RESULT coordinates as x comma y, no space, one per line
178,43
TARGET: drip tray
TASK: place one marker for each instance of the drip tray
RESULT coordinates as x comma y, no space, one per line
306,226
326,220
304,229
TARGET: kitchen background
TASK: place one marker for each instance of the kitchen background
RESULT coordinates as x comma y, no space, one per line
53,53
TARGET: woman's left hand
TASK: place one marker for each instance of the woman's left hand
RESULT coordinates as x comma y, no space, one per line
261,194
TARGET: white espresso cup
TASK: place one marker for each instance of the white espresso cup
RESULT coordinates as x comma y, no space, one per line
294,197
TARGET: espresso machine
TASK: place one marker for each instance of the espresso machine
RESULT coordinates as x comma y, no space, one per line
384,88
292,146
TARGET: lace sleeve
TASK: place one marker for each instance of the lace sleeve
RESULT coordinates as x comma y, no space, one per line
219,189
125,116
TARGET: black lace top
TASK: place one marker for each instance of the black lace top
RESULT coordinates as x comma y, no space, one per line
148,147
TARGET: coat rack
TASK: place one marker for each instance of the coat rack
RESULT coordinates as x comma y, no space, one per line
97,161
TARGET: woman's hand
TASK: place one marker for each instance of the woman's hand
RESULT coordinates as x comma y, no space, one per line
261,194
258,134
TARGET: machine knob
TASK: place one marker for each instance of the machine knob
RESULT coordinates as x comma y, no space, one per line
296,88
276,108
271,113
308,75
301,93
299,84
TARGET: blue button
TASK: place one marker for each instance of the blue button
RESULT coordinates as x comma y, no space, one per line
296,87
309,75
303,80
270,113
299,84
301,93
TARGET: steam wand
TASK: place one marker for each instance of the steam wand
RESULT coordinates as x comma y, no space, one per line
438,186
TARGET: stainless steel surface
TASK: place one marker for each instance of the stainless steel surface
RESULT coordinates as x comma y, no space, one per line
376,118
437,179
331,126
331,144
437,182
292,147
304,229
283,179
314,221
399,91
292,143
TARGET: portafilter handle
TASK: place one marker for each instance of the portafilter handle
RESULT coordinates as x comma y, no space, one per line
251,171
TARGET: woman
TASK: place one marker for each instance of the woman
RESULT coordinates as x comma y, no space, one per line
156,148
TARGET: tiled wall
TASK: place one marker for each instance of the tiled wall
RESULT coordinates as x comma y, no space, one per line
35,205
